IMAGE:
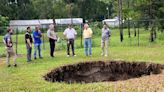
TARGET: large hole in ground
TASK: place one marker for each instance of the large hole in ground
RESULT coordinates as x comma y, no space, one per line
102,71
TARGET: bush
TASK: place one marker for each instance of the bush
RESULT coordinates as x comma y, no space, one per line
4,21
2,55
2,30
160,36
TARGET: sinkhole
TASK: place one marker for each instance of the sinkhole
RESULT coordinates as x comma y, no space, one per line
100,71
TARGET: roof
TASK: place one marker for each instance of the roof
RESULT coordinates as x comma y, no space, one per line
110,20
30,22
69,21
45,21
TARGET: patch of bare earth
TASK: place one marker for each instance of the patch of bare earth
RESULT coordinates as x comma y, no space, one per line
151,83
137,76
3,59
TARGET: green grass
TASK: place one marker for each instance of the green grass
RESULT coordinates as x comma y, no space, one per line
27,77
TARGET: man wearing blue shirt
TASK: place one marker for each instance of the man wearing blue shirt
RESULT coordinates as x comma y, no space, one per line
37,41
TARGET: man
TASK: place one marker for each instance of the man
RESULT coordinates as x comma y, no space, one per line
70,33
9,47
28,41
87,35
37,41
105,40
52,39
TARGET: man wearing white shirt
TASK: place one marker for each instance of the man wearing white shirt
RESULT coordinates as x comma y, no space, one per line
70,34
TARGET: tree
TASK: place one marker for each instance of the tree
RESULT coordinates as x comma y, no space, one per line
4,21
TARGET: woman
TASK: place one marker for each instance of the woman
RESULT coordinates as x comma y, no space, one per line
52,38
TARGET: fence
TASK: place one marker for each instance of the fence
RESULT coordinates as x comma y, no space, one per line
153,27
135,33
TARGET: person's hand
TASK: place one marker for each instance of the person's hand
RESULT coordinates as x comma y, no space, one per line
30,46
10,44
39,31
37,36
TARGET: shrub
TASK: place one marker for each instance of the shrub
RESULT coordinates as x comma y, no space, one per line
4,21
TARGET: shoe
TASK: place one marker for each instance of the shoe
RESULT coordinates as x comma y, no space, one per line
35,58
8,65
29,60
40,57
15,65
68,55
106,55
74,55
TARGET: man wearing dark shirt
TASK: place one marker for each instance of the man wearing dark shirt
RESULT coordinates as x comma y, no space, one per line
28,40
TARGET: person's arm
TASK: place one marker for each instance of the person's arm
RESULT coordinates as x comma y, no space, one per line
35,36
28,42
4,41
109,32
27,37
56,35
75,33
8,42
91,32
65,33
40,34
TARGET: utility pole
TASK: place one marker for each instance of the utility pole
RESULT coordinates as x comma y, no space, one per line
70,11
120,19
107,11
128,23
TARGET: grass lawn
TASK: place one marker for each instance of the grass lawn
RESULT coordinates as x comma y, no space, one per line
27,77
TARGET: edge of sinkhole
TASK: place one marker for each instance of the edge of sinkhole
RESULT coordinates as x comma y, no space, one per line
93,70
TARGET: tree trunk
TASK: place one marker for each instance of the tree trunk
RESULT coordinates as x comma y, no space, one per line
120,19
135,33
152,33
129,28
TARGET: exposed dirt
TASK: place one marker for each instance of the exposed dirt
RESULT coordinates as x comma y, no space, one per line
3,59
102,71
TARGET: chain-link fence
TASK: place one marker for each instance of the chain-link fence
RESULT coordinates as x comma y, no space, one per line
135,33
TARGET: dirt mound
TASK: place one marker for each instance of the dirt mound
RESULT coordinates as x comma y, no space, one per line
102,71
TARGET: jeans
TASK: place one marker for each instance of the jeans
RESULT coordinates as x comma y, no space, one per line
88,46
70,42
37,47
29,51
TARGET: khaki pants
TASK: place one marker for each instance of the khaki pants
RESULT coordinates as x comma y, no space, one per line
10,52
104,46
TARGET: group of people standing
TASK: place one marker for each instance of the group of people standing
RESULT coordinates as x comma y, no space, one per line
37,34
70,35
